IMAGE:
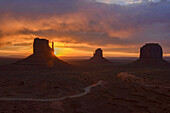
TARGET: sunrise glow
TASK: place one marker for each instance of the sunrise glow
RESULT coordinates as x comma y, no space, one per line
119,32
53,52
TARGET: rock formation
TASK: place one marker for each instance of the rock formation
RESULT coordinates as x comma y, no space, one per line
43,55
98,58
151,51
98,53
41,47
151,54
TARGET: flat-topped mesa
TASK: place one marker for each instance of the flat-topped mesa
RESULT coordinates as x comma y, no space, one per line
151,54
151,51
41,47
98,53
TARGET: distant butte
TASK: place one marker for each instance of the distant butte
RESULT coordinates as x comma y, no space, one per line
43,55
151,51
151,54
98,58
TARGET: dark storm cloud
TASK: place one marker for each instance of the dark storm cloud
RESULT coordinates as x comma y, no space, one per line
22,44
92,38
5,44
1,35
38,6
114,17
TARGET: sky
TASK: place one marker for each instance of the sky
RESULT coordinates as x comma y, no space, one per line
78,27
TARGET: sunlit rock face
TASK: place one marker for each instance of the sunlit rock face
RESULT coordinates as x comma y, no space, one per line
151,51
98,58
151,54
43,55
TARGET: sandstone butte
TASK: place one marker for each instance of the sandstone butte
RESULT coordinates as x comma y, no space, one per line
43,55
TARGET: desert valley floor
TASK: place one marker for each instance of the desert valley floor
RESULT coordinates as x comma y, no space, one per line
123,89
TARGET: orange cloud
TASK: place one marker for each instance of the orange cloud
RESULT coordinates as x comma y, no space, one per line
80,26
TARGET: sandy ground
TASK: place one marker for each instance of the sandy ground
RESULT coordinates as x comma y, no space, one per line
120,92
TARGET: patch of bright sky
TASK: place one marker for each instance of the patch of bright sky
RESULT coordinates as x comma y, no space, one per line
125,2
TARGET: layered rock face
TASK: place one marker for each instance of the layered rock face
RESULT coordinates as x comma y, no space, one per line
151,54
98,58
42,55
151,51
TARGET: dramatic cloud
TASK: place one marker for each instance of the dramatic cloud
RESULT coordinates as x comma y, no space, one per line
83,25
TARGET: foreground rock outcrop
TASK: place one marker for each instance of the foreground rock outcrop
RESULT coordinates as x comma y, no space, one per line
98,58
151,54
43,55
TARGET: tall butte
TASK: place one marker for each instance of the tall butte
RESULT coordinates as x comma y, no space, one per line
151,54
43,55
98,58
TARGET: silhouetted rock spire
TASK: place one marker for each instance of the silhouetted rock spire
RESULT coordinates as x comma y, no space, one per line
98,58
98,53
53,47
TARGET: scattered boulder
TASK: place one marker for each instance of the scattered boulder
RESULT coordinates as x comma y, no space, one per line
43,55
98,58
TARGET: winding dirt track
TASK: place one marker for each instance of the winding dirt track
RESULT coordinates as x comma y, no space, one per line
86,91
